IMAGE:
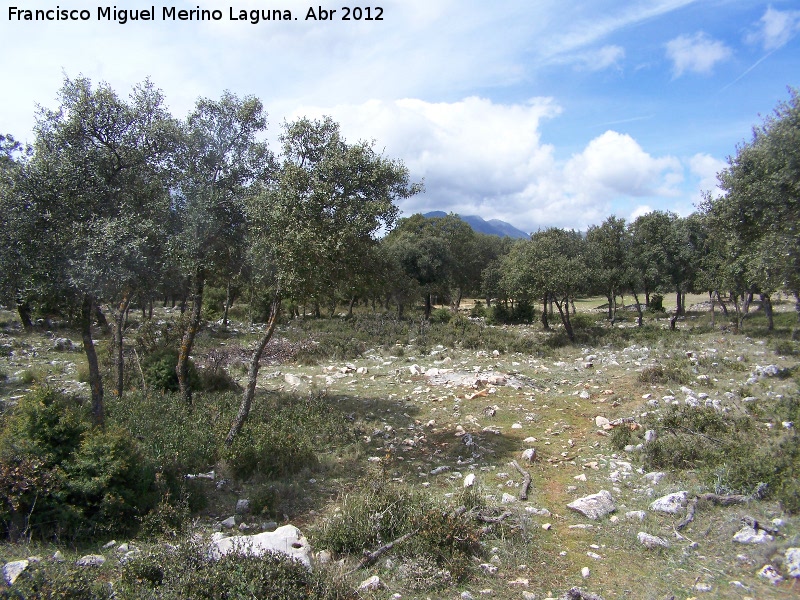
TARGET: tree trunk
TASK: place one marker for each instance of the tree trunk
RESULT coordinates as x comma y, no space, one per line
572,304
678,303
563,310
252,377
638,307
95,380
722,304
766,304
120,317
610,302
350,307
182,368
739,313
24,310
748,299
227,306
713,311
102,322
427,306
647,297
545,321
317,313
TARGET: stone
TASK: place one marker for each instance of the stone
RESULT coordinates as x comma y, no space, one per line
671,503
771,574
508,499
650,436
594,506
415,370
242,506
791,561
636,514
703,587
585,572
91,560
528,596
655,477
467,596
287,540
58,557
519,582
293,380
469,480
488,568
651,541
324,557
13,569
601,421
229,523
372,584
529,454
748,535
109,545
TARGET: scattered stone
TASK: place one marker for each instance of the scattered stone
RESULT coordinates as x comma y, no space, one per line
601,422
58,557
287,540
269,526
123,548
651,541
508,499
547,526
650,436
14,569
655,477
542,512
110,544
529,454
771,574
440,470
671,503
372,584
748,535
519,582
91,560
636,514
324,557
469,480
415,370
293,380
467,596
594,506
791,561
703,587
585,572
242,506
488,568
229,523
528,595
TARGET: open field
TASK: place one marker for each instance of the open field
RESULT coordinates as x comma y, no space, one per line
409,411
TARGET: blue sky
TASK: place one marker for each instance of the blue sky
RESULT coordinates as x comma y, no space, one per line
537,112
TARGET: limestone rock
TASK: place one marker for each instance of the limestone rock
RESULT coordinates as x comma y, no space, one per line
14,569
529,454
748,535
594,506
229,523
791,561
374,583
287,540
651,541
242,506
469,480
671,503
771,574
91,560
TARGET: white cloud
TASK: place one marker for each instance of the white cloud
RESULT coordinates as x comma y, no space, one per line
481,157
639,211
696,53
601,59
776,28
704,169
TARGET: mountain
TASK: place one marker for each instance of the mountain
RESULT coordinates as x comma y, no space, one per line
479,225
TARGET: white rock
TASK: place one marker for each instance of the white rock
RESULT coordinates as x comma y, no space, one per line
601,421
655,477
748,535
374,583
594,506
508,499
584,395
650,436
91,560
469,480
671,503
415,370
771,574
703,587
581,477
636,514
651,541
229,523
542,512
287,540
585,572
488,568
791,561
529,454
13,569
293,380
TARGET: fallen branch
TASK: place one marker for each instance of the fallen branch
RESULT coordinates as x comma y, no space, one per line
526,481
492,520
756,526
713,499
558,460
370,558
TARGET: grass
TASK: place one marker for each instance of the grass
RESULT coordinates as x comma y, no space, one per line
356,466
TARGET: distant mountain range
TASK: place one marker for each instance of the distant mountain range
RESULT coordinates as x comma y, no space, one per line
479,225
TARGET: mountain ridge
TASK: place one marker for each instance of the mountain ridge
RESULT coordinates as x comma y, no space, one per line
480,225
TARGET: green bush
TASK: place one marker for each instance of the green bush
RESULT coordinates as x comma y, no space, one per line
673,371
59,477
185,572
58,581
214,299
441,315
656,303
159,371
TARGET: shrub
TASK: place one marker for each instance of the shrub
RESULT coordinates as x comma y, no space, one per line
441,315
478,310
159,372
60,477
58,581
674,371
656,303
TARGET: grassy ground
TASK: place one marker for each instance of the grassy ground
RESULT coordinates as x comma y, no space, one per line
378,420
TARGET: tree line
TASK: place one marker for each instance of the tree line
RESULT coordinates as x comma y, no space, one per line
117,203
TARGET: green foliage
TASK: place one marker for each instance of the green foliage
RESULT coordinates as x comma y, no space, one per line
159,371
441,315
520,312
185,572
286,437
733,453
61,478
673,371
381,513
656,303
214,299
59,581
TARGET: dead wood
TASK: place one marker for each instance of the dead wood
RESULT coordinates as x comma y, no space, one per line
717,499
526,480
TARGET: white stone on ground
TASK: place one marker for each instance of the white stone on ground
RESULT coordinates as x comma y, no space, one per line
651,541
671,503
287,540
594,506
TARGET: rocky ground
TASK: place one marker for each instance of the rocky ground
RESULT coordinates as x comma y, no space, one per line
593,517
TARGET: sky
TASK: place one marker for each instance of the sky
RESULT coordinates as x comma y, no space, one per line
537,112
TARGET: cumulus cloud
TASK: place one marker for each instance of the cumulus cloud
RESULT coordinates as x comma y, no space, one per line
696,53
776,28
704,169
640,211
486,158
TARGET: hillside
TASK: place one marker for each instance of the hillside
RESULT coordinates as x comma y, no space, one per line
480,225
